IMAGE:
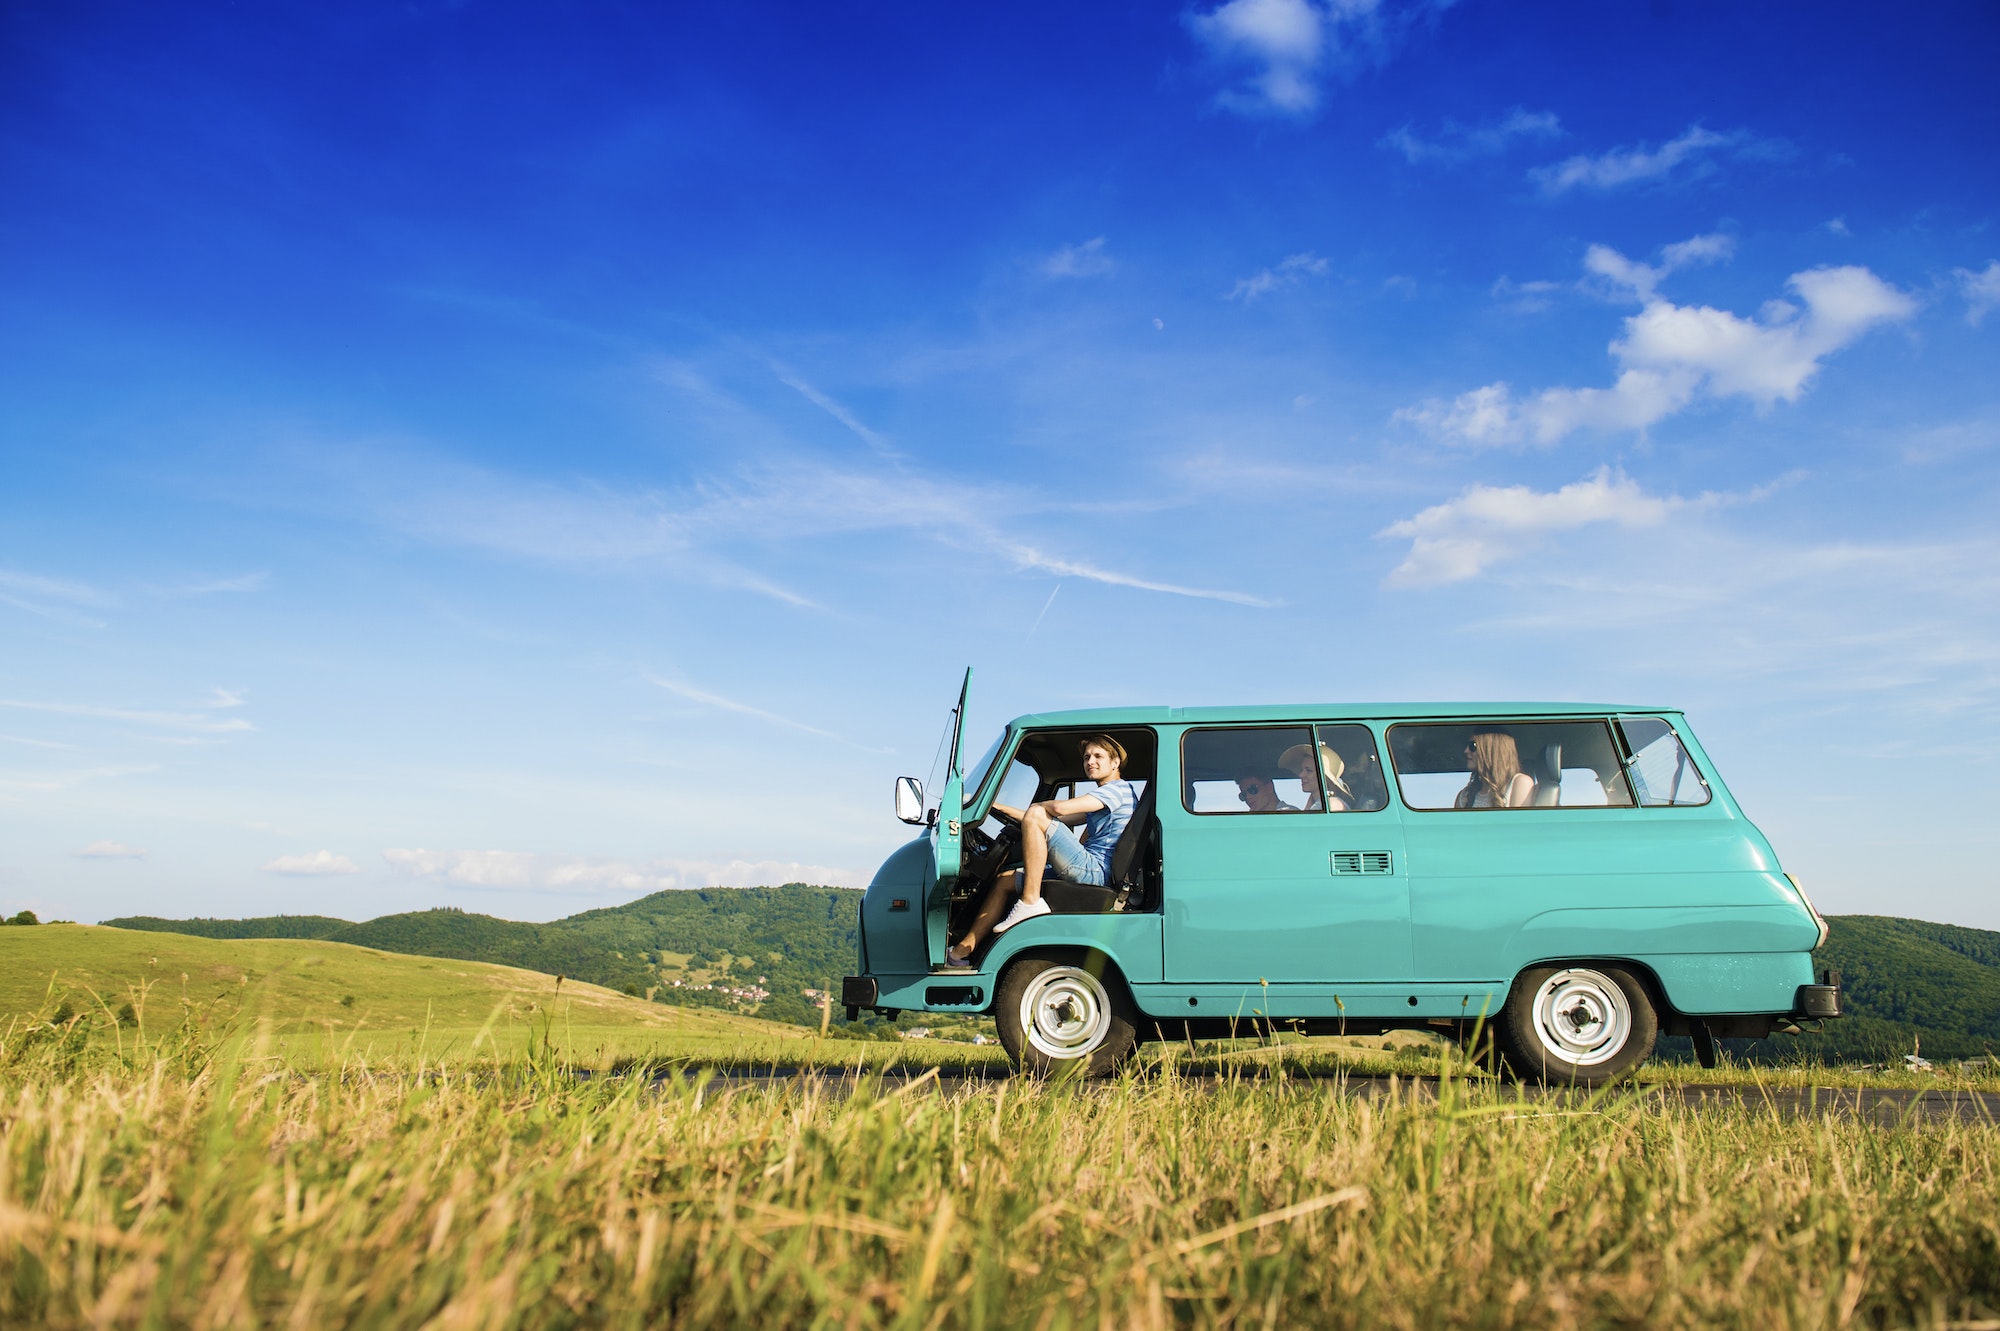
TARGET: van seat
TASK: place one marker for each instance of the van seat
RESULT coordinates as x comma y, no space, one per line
1547,772
1134,860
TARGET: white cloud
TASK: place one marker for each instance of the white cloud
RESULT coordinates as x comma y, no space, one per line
1287,47
513,870
1463,537
1086,259
316,864
110,850
1981,290
1671,355
1630,277
1291,271
1694,150
1457,143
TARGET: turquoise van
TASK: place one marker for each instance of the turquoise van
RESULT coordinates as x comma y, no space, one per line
1574,878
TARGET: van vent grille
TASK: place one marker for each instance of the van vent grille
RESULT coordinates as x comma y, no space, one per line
1363,861
1347,861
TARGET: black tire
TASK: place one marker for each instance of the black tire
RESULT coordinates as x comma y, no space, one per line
1581,1025
1065,1015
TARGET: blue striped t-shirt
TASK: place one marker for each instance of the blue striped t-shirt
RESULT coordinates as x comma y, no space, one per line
1103,827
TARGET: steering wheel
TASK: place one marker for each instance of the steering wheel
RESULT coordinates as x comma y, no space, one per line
1006,818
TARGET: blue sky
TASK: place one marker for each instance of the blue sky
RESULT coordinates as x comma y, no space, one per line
520,457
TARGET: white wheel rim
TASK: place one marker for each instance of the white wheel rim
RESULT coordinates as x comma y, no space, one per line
1582,1017
1065,1012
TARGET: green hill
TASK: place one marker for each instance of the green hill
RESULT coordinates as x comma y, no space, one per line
733,948
329,998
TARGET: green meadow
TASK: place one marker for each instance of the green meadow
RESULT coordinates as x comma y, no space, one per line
320,1002
303,1134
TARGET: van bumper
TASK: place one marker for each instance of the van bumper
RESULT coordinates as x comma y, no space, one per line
859,991
1818,1002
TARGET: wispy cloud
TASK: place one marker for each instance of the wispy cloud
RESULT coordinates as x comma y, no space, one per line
1086,259
782,501
110,850
247,582
1671,356
1281,51
518,871
1455,143
314,864
791,380
1486,525
1525,297
52,598
191,722
1631,279
1028,557
1693,153
720,703
1288,272
1981,289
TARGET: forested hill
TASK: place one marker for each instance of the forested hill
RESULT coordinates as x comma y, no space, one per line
1907,980
725,945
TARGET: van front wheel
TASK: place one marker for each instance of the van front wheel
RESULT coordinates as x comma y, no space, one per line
1579,1025
1060,1017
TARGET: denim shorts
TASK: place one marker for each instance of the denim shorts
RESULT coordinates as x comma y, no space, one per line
1069,859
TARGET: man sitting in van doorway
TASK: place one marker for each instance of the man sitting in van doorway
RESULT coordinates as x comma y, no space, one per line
1047,839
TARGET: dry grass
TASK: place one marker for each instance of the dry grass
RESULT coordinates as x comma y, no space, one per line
191,1183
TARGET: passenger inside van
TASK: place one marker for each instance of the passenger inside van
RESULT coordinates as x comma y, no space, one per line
1259,795
1496,780
1299,759
1048,841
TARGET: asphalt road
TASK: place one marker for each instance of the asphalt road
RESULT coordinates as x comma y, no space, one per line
1888,1108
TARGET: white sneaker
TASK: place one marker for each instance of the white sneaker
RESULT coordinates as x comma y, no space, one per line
1023,910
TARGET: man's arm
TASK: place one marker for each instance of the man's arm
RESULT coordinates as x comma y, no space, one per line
1072,811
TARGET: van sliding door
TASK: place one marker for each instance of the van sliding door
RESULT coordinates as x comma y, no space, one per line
1281,868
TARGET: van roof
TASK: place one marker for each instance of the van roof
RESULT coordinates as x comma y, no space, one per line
1340,711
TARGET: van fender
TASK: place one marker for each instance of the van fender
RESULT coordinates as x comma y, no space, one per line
1697,961
1130,943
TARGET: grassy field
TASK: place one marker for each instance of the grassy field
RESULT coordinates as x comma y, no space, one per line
252,1151
333,1002
207,1183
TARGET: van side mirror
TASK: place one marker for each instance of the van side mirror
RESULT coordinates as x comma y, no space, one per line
910,800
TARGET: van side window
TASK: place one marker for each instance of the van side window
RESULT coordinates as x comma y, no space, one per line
1240,770
1662,772
1351,770
1508,765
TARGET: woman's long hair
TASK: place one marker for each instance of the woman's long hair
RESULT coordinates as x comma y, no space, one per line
1496,761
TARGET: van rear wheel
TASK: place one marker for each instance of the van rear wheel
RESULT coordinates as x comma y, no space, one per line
1065,1016
1578,1025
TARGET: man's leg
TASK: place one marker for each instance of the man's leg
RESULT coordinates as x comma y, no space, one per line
1034,851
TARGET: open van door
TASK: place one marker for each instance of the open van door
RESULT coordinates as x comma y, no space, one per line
948,836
